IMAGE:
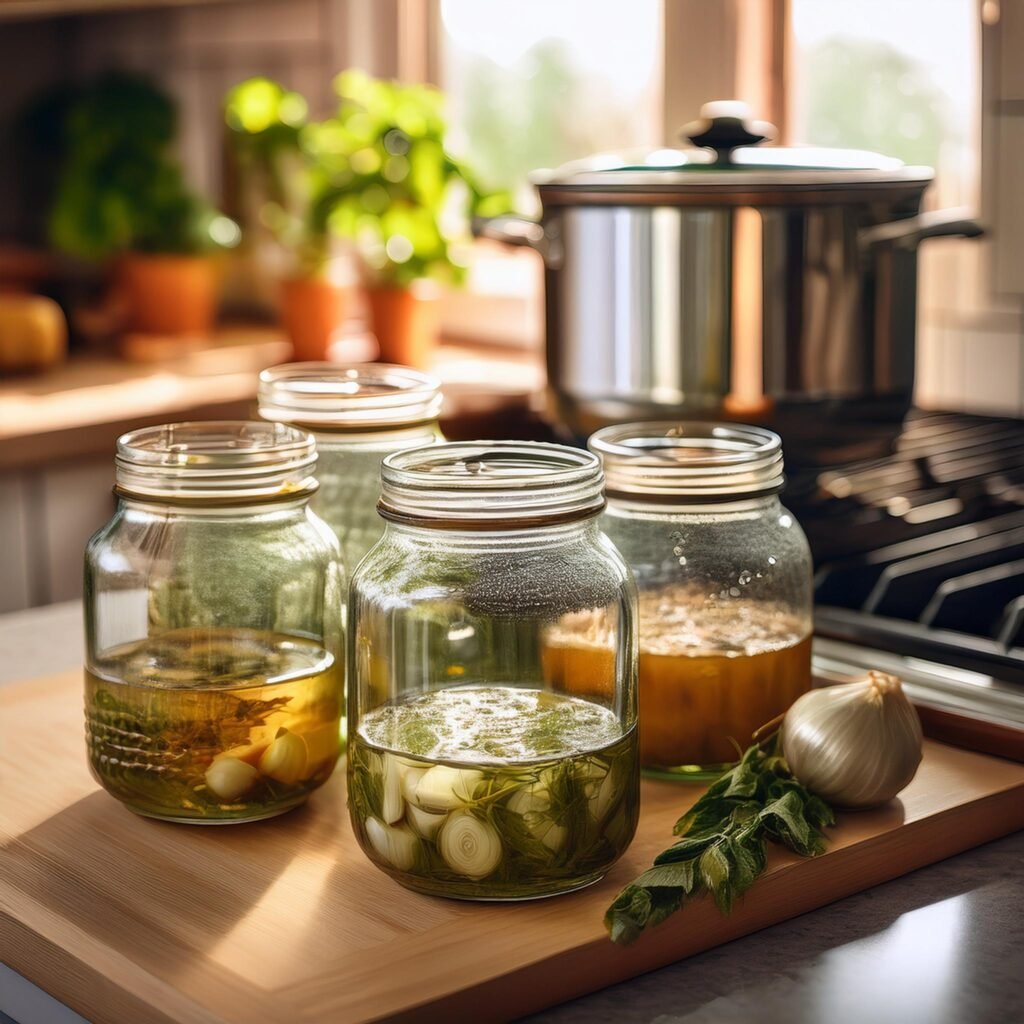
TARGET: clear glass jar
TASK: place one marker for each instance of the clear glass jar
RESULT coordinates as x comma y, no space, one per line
214,649
724,574
358,414
481,765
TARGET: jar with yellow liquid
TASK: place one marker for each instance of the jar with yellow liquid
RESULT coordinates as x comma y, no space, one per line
724,574
213,603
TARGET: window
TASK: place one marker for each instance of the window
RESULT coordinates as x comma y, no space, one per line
900,77
534,83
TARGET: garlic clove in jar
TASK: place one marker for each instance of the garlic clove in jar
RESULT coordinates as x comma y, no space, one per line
396,845
230,777
392,807
442,788
855,745
423,823
285,759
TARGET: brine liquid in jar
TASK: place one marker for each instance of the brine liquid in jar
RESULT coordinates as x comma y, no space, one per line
709,674
213,725
493,792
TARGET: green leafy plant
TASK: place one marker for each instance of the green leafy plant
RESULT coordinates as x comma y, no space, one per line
376,172
723,842
105,151
280,167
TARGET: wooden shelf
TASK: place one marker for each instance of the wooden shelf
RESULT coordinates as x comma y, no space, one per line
79,409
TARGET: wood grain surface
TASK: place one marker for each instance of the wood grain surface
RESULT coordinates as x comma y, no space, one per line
129,920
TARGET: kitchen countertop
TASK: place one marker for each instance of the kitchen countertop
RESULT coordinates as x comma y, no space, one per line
939,946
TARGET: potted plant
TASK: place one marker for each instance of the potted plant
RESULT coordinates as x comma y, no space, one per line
406,203
285,173
119,197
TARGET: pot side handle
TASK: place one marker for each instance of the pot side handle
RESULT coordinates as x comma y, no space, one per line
511,230
912,231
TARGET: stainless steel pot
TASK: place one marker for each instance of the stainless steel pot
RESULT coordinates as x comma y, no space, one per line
773,284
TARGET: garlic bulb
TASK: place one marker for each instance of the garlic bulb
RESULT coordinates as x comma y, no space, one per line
855,745
470,847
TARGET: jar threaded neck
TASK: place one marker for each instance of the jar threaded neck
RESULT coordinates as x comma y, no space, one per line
689,461
490,485
220,461
370,396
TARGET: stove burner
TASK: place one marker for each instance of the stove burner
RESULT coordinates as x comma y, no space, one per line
922,552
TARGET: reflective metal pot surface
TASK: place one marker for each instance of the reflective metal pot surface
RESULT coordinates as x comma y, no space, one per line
767,290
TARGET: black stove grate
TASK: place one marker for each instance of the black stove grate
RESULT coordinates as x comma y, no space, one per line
922,552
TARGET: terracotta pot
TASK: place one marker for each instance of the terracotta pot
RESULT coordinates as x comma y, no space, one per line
312,312
405,321
167,294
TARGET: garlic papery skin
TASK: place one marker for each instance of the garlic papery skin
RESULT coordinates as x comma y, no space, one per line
855,745
470,847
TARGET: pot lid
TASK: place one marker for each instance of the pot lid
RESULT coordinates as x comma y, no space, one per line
726,160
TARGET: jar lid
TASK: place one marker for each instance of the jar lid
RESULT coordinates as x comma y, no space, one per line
727,166
696,462
220,462
370,396
490,485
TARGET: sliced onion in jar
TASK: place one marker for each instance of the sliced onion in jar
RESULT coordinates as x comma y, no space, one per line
469,846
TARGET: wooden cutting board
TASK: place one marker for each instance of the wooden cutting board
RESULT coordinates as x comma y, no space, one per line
129,920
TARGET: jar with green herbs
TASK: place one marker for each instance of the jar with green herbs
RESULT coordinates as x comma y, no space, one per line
213,603
481,766
358,414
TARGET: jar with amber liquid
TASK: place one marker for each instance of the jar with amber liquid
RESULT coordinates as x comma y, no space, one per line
358,415
724,574
213,602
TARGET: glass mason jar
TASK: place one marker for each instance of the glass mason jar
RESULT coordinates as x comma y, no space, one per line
482,764
358,414
724,574
213,598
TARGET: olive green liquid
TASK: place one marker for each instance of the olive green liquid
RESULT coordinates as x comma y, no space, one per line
210,725
492,792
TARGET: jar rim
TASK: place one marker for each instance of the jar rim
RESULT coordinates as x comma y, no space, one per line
490,485
217,460
366,396
694,460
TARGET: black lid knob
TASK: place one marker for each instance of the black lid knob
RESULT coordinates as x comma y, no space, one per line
725,125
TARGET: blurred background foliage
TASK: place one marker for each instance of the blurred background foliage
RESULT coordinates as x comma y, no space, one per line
100,160
375,172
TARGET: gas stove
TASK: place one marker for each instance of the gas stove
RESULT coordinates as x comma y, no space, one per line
920,563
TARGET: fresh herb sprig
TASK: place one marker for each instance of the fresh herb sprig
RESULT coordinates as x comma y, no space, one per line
723,844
